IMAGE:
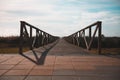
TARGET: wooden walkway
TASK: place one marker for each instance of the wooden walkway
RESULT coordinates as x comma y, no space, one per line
62,61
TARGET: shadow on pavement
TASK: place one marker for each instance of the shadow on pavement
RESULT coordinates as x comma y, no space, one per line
40,60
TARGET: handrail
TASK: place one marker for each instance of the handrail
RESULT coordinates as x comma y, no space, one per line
78,36
41,37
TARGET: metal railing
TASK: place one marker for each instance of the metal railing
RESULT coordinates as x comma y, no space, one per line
34,38
80,38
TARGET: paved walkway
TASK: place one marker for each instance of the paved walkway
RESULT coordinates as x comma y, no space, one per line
62,62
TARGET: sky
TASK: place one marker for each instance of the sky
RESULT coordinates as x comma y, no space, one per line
59,17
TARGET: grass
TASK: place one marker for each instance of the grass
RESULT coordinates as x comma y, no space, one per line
107,51
11,50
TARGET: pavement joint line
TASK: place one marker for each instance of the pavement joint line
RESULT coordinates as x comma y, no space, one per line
53,67
6,59
29,72
73,65
11,68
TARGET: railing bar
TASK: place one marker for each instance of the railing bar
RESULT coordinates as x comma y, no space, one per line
77,39
85,39
26,32
99,37
33,26
90,37
88,27
34,41
93,37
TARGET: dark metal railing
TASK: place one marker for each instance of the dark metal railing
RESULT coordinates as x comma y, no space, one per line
80,38
34,40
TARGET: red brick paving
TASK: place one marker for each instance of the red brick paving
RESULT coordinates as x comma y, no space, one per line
19,66
6,66
17,72
44,67
41,72
79,66
2,71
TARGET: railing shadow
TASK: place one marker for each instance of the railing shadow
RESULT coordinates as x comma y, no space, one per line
40,60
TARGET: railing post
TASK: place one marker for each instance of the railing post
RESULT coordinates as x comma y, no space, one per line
37,39
31,38
78,38
47,38
99,37
43,38
40,36
89,37
21,37
73,39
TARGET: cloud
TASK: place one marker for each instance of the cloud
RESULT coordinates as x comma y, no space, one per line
58,17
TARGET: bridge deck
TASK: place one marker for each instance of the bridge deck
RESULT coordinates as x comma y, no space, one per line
63,48
63,62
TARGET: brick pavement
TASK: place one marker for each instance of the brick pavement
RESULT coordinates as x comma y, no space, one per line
61,67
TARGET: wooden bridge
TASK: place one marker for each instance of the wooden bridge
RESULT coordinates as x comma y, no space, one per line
54,58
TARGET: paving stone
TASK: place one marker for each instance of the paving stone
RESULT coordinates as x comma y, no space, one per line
43,67
6,66
63,66
38,78
99,78
49,62
12,77
2,71
108,70
17,72
65,78
64,62
51,58
13,60
2,59
63,72
27,63
41,72
116,68
23,67
86,73
84,67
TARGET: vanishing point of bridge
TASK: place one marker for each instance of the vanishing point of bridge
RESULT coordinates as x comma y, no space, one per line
54,58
